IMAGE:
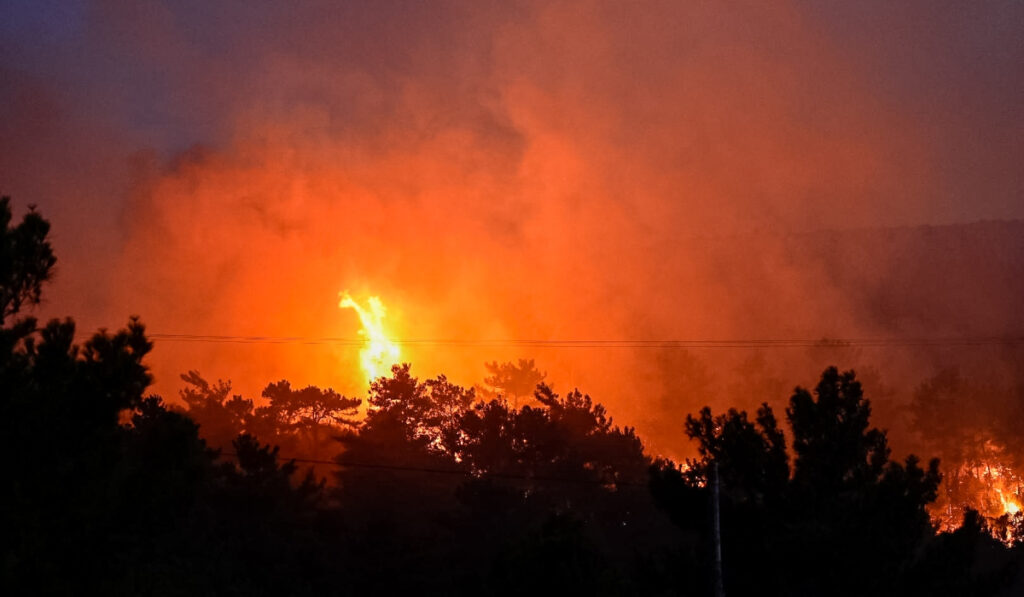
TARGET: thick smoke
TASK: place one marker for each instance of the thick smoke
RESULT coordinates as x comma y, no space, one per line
529,171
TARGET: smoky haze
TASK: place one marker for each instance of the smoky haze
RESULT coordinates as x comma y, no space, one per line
530,171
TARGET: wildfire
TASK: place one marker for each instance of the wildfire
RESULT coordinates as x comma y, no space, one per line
1011,505
989,485
379,353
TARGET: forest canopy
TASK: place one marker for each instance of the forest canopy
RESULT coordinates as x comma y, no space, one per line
437,488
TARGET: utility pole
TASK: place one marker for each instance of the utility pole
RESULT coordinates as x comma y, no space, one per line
716,531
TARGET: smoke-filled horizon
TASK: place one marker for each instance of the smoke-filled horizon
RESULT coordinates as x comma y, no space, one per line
527,170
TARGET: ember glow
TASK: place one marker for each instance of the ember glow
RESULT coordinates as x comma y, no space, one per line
988,484
379,352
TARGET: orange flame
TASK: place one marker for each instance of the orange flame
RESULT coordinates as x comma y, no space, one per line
987,484
379,352
1011,505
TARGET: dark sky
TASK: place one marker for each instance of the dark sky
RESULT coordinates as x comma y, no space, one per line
944,77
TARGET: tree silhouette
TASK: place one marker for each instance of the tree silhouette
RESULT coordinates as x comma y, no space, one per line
221,418
570,437
593,442
389,468
854,504
967,561
751,456
26,260
846,508
108,491
259,473
62,406
425,413
835,448
309,411
511,380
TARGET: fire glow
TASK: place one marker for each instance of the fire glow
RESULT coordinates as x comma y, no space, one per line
989,485
379,353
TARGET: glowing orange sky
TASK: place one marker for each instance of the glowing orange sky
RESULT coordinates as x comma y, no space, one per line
523,170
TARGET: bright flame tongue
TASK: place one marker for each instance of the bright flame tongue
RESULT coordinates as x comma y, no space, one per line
1001,481
1010,504
379,353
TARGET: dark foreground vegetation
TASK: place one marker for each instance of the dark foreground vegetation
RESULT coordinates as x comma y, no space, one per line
108,490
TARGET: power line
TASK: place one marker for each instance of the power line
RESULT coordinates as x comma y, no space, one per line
835,343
